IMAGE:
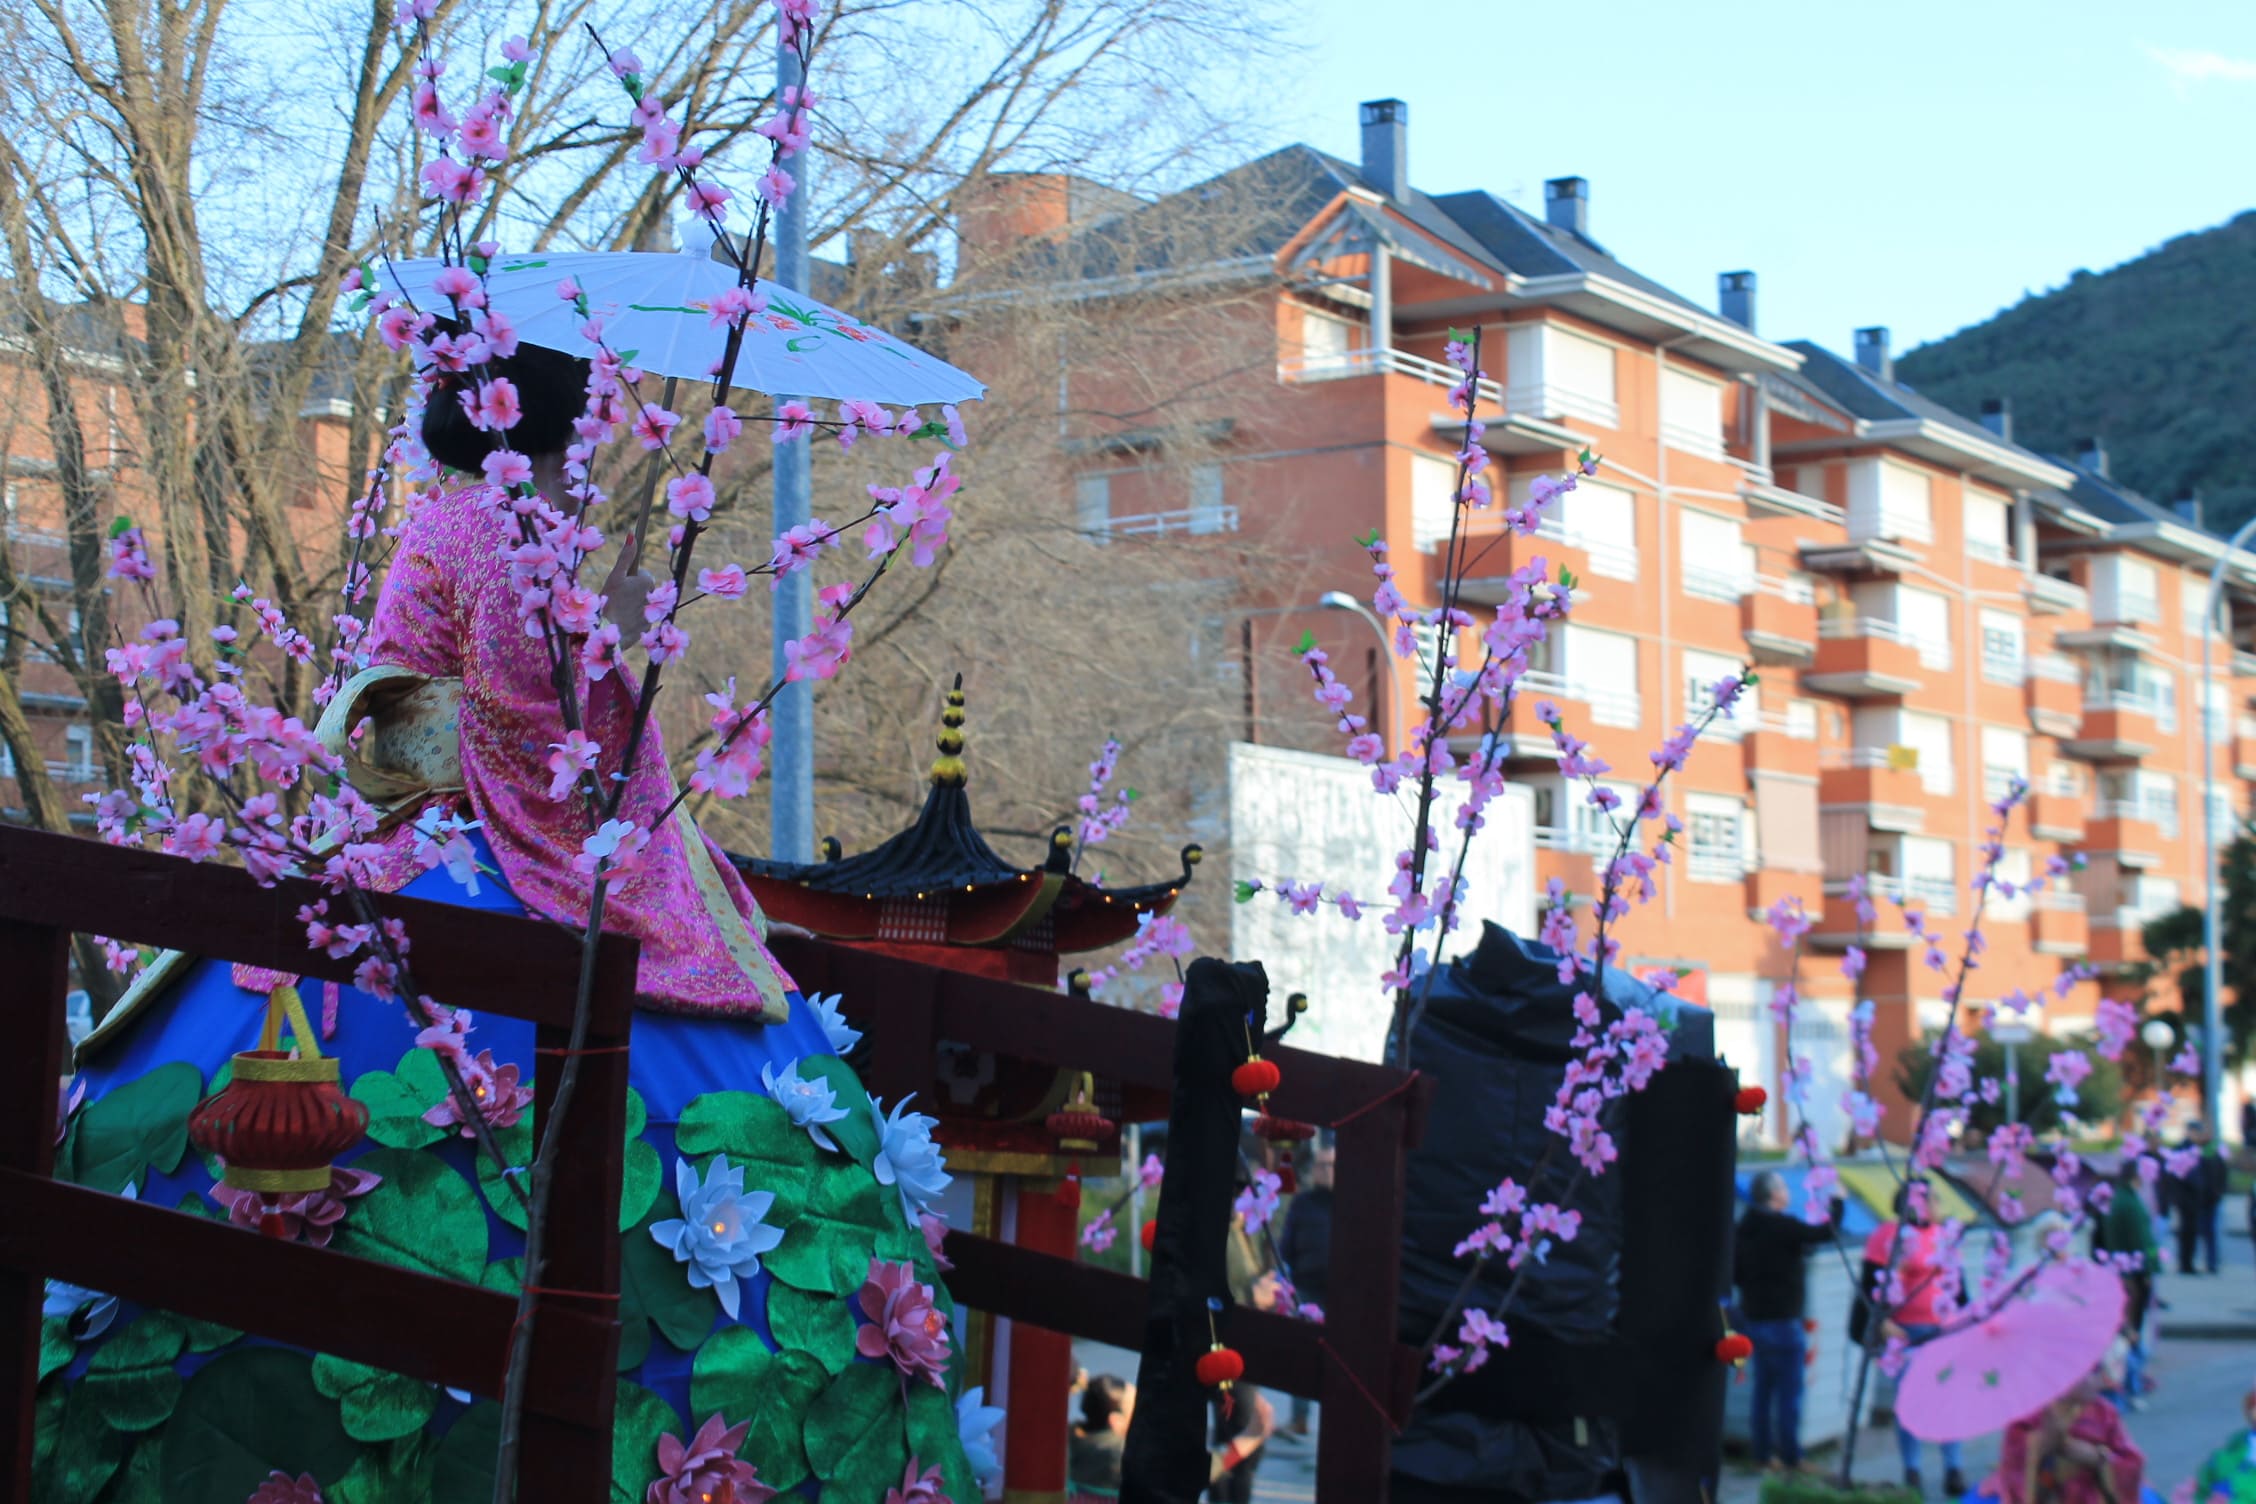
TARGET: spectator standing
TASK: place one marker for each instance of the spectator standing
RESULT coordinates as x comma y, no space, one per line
1909,1313
1769,1255
2127,1230
2198,1196
1093,1462
1304,1243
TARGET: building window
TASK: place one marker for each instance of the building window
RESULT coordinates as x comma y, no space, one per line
1433,500
1324,341
1717,563
1890,502
2005,759
1208,514
1557,374
1989,527
1598,668
2124,589
2004,648
1092,506
1702,673
1599,519
1691,413
78,754
1716,838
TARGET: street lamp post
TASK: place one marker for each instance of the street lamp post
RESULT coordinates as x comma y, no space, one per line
2213,963
2156,1034
2012,1033
1340,600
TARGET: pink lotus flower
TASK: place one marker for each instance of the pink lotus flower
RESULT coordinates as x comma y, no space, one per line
904,1328
307,1216
281,1488
707,1469
935,1237
501,1101
918,1487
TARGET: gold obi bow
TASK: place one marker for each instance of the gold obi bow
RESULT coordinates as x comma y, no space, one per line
413,748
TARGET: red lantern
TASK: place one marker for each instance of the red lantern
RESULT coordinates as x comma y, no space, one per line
1734,1347
281,1121
1749,1102
1256,1078
1220,1365
1149,1235
1283,1130
1077,1126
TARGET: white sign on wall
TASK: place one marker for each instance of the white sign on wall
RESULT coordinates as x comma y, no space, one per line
1303,817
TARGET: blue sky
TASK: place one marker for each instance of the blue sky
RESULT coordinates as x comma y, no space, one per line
1913,163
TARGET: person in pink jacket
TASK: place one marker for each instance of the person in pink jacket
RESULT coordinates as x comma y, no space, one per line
2073,1451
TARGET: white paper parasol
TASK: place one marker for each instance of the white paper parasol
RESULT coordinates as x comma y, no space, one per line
658,306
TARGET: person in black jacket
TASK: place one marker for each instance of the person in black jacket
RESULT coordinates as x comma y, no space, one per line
2197,1197
1304,1243
1767,1266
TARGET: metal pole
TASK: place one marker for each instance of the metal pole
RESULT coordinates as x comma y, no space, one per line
1382,723
1136,1200
791,755
2013,1083
2212,942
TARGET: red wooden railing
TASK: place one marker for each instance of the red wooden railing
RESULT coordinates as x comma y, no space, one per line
1353,1364
436,1330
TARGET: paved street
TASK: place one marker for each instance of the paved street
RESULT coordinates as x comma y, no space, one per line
2205,1362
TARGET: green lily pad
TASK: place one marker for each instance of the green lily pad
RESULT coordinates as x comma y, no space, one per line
87,1453
141,1125
130,1379
934,1441
641,1418
206,1336
516,1145
46,1427
398,1099
244,1415
56,1349
652,1285
638,1115
855,1437
462,1469
753,1131
141,1479
397,1473
423,1217
812,1323
196,1206
375,1405
828,1249
737,1378
505,1275
638,1183
856,1133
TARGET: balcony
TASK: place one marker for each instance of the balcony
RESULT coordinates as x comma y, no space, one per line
2119,636
1607,558
2131,829
2055,816
1349,364
1873,780
2058,925
1193,521
2244,747
1703,865
2120,726
1779,621
1770,745
1767,885
2048,596
2053,691
1608,706
1862,657
1868,556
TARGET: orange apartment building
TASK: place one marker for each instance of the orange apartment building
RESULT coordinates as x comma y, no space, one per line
1932,608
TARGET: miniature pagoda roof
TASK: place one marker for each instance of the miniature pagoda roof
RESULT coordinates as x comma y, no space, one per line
942,864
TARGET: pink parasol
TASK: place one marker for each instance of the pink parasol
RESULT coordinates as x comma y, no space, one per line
2031,1351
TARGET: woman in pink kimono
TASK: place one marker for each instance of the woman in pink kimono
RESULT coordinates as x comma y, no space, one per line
2074,1451
766,1197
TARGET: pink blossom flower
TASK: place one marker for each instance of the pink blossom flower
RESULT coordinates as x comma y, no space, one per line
516,50
728,582
455,182
935,1238
616,848
707,1468
1099,1233
918,1487
721,428
690,496
775,185
708,199
654,426
904,1327
307,1216
500,1099
493,406
1150,1172
821,653
129,557
795,419
281,1488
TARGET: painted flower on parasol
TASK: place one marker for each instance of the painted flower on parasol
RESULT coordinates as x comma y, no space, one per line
670,312
1986,1374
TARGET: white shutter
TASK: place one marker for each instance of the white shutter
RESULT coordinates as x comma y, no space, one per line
1601,668
1715,559
2140,589
2005,756
1597,518
1433,499
1702,672
1208,515
1324,340
1552,373
1691,413
1930,872
1925,617
1989,527
1930,735
1906,503
1092,506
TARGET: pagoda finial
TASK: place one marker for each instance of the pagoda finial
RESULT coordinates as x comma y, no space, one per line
948,767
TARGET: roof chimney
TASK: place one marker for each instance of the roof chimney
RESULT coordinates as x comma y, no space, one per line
1997,416
1735,298
2091,454
1566,203
1386,146
2188,506
1872,352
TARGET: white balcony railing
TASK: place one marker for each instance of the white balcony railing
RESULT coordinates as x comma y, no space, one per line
1608,707
1192,521
1799,728
1608,556
2057,900
2163,817
2163,712
1988,550
1937,895
1998,782
2053,666
1352,363
1704,865
1934,652
1717,584
1794,589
